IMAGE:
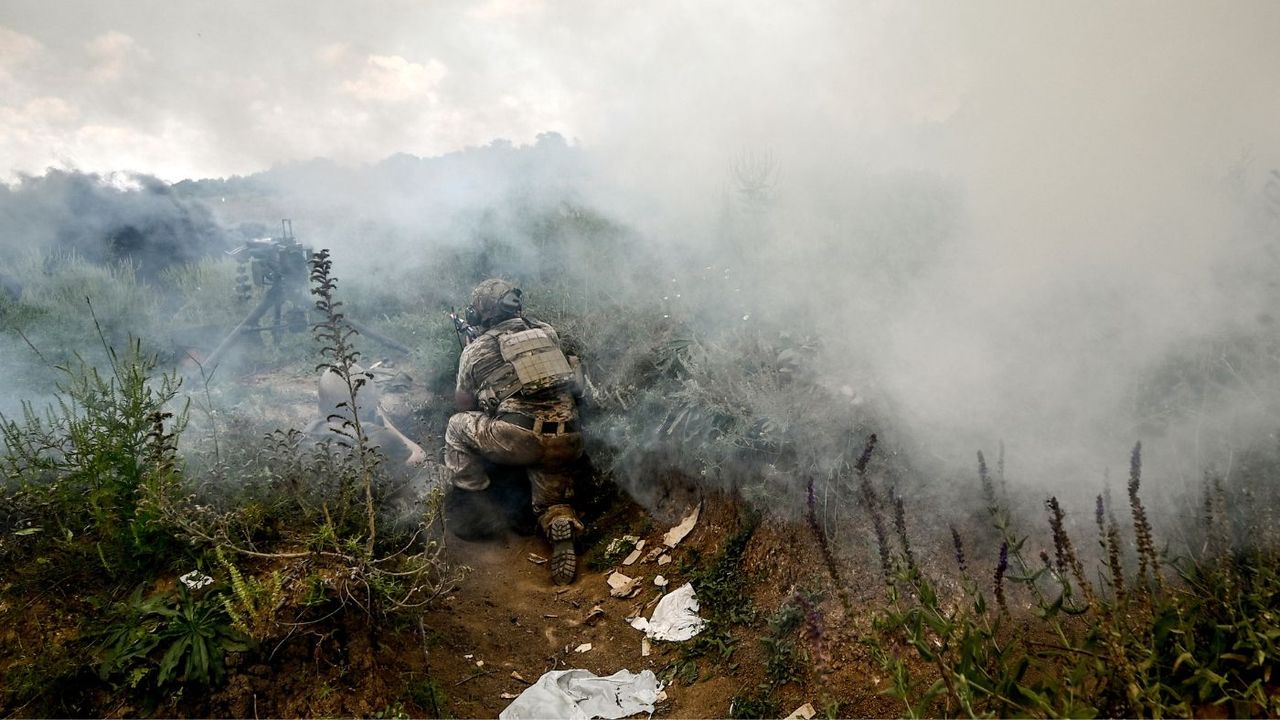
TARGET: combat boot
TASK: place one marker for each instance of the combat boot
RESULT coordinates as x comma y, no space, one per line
561,525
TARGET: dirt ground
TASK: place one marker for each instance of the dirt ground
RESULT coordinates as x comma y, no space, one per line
509,617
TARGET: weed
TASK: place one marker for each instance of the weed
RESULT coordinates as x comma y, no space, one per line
1167,650
82,474
165,639
252,604
754,705
394,711
722,594
427,694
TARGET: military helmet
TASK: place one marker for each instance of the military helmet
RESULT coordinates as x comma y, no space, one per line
494,300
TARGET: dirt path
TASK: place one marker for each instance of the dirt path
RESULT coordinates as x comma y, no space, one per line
509,618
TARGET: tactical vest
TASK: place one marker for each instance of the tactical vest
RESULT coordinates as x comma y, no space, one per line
532,363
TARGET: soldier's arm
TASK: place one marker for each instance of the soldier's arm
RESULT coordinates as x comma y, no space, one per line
417,455
464,393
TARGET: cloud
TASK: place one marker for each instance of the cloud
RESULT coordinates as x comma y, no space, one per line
16,50
114,55
393,79
333,54
503,9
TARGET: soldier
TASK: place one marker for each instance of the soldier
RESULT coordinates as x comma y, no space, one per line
406,480
516,392
378,427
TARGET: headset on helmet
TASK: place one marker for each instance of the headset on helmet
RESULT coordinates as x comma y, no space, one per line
494,300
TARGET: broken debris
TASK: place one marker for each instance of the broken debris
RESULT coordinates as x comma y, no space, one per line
664,559
584,647
635,554
622,586
660,581
537,559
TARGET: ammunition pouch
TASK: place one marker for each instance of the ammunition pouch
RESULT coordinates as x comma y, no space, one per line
533,364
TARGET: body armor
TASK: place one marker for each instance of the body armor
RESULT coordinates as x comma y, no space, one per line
532,364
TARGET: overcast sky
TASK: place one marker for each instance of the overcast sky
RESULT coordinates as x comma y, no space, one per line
211,88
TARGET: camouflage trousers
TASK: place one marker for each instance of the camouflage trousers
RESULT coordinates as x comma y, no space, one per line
474,439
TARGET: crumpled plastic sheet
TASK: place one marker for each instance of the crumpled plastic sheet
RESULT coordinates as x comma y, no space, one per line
582,695
675,618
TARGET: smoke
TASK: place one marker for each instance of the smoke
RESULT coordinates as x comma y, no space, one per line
1042,225
132,219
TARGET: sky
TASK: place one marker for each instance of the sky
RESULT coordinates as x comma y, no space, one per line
1107,155
201,89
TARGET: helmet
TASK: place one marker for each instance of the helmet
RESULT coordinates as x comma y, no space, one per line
495,300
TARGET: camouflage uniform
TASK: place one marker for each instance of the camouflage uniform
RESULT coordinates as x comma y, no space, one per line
538,431
474,437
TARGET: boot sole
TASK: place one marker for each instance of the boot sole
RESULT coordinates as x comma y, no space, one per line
564,559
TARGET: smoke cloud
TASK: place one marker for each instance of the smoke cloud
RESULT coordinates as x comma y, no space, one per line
1047,225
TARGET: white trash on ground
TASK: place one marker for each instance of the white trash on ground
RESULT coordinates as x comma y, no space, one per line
804,712
675,618
582,695
677,533
195,580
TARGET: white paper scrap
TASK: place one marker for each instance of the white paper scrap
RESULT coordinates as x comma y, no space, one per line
675,618
804,712
581,695
677,533
195,580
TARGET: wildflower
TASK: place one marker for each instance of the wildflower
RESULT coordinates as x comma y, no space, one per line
959,546
1066,552
1141,525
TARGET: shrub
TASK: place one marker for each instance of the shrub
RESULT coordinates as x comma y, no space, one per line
80,477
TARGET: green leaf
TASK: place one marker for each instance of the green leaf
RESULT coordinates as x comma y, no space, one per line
171,658
1184,657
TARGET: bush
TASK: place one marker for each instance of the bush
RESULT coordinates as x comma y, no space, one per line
81,478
